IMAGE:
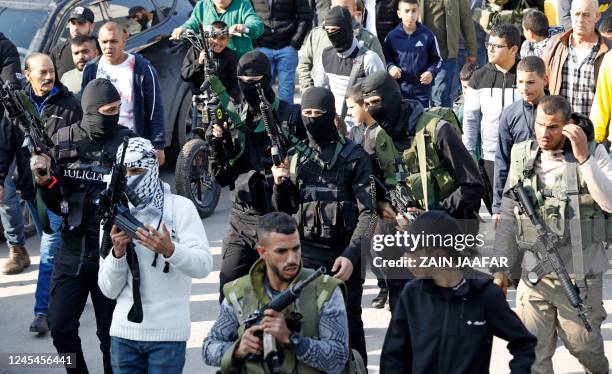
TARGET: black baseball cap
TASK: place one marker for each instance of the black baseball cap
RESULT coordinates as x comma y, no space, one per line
82,14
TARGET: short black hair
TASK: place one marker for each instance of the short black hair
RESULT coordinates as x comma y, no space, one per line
536,22
554,104
416,2
219,25
532,64
278,222
467,71
509,33
606,25
354,93
81,39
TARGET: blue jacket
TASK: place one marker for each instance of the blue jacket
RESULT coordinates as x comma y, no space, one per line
148,106
515,126
414,54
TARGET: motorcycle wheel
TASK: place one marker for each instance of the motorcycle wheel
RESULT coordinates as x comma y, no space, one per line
193,179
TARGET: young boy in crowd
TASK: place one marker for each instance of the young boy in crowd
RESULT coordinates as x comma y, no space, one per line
412,54
225,62
465,74
244,24
473,308
536,32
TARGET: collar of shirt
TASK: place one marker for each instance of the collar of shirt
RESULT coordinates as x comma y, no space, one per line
349,51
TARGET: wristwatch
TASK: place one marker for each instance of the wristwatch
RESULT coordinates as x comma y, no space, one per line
294,340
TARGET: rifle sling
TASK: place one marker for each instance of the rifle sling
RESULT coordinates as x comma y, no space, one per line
572,192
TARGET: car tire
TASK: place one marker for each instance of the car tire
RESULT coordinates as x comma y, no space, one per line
181,132
193,179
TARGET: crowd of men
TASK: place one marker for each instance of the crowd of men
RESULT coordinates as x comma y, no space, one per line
423,99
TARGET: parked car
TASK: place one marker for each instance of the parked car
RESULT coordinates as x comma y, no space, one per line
39,25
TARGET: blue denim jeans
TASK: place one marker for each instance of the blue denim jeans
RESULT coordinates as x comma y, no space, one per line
49,244
132,357
443,84
10,211
284,63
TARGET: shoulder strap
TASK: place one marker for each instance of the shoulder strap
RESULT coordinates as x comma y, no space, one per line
572,191
357,65
424,122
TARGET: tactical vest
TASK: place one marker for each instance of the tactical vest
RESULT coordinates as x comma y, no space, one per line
386,156
328,211
493,14
423,161
247,295
84,168
552,203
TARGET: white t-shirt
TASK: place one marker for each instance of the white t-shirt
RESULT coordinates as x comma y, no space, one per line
122,77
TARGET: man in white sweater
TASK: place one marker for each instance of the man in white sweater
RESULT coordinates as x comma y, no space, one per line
173,230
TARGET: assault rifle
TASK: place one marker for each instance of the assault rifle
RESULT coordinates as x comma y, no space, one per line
271,356
36,138
398,197
111,207
278,147
545,249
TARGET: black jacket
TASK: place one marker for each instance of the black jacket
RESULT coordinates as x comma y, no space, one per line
9,60
226,62
60,109
438,332
79,181
250,177
386,18
286,22
354,175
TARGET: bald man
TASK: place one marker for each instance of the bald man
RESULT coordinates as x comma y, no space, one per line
573,59
136,80
317,41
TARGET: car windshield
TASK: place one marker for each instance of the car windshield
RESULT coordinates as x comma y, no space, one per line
21,24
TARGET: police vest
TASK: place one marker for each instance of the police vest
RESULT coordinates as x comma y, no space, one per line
423,161
328,211
247,295
552,202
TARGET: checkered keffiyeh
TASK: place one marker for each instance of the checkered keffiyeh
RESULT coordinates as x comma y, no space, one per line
578,80
146,188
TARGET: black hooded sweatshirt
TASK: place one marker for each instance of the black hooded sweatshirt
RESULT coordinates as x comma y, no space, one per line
444,330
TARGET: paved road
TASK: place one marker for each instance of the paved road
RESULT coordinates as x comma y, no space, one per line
17,298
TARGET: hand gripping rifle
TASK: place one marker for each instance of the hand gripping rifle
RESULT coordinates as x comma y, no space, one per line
545,250
36,138
399,200
113,210
271,356
278,147
112,207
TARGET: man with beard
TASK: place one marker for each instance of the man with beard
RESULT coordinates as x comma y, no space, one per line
84,49
454,182
318,344
144,18
330,197
81,22
345,62
83,155
240,158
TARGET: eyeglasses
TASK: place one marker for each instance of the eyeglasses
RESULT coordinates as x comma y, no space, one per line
494,47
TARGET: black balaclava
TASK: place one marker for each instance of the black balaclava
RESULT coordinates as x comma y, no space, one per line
255,63
97,93
341,39
321,130
389,111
